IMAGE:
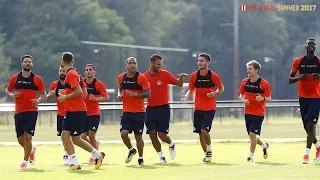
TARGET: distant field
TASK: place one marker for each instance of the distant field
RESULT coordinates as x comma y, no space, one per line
284,162
229,129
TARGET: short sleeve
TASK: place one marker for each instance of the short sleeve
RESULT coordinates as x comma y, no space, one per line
40,84
101,88
295,65
53,85
12,82
120,77
73,79
171,79
216,79
192,81
266,88
143,82
242,85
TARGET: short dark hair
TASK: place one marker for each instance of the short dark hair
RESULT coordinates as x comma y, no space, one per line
206,56
67,57
155,57
255,64
26,56
93,66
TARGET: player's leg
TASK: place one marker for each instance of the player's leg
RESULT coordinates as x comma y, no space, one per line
93,128
265,147
84,135
197,120
138,126
152,125
126,128
304,108
59,131
78,121
67,130
19,127
163,129
30,121
248,122
205,132
254,131
312,118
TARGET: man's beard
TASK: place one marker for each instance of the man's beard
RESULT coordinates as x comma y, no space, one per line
25,69
62,78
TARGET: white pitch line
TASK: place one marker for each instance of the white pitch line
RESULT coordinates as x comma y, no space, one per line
275,140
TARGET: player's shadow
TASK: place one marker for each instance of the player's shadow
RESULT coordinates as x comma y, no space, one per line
142,167
272,163
82,171
105,164
34,170
168,164
219,164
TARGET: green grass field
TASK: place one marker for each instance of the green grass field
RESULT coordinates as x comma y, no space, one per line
284,162
277,127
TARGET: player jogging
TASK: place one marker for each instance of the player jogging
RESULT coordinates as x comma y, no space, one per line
158,109
207,86
255,92
97,92
133,87
309,94
26,84
54,89
76,115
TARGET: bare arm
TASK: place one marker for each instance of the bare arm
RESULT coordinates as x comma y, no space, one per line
144,94
50,94
9,93
293,79
43,96
267,99
220,91
77,92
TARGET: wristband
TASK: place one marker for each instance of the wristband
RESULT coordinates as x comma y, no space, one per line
264,99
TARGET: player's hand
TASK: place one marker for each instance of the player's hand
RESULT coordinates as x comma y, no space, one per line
120,97
62,98
316,76
61,92
211,94
259,98
303,76
184,98
35,102
16,94
182,75
130,93
246,102
92,97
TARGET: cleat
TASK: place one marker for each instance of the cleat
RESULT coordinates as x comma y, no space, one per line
249,159
208,157
265,151
140,162
316,160
98,162
23,166
163,160
74,167
32,156
130,155
91,161
305,159
98,145
65,160
172,152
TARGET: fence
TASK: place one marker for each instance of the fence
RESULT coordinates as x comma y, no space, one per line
180,111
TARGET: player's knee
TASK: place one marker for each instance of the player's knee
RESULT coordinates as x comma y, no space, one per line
204,131
76,140
252,135
27,137
153,134
83,135
124,133
311,127
162,136
91,134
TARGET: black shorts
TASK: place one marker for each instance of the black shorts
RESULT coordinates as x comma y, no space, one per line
253,123
158,118
25,122
74,122
60,120
92,123
132,122
203,120
309,110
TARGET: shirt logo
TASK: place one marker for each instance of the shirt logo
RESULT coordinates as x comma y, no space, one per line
159,83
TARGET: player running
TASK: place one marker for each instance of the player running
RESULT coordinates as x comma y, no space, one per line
76,115
158,109
207,86
309,94
255,92
54,89
133,87
96,93
26,84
